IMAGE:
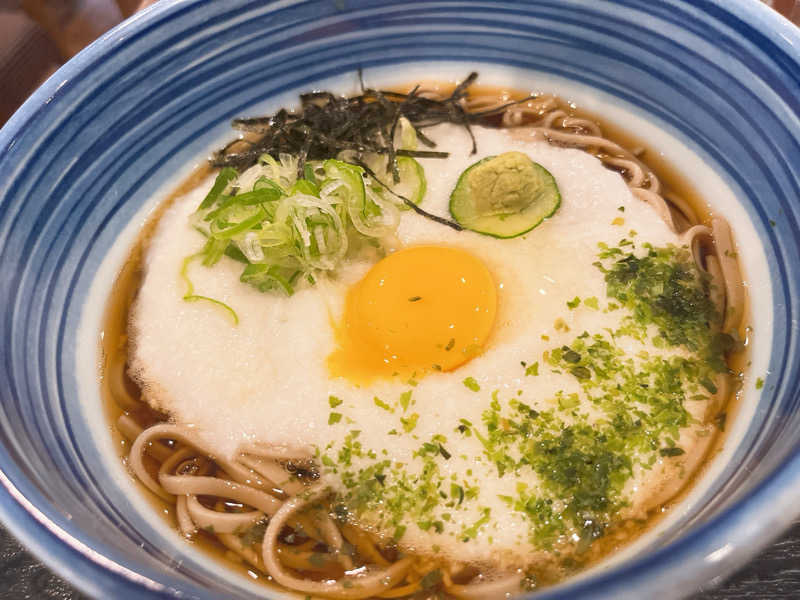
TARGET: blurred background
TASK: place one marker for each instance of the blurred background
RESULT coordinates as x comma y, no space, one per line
37,36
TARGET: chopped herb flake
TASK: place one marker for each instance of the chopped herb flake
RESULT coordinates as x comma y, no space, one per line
381,404
471,384
591,302
405,400
410,423
431,579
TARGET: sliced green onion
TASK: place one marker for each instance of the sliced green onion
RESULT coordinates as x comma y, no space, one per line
241,227
405,136
351,186
304,186
213,251
190,296
265,277
224,177
219,303
309,175
287,230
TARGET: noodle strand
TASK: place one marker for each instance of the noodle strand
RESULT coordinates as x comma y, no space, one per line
349,587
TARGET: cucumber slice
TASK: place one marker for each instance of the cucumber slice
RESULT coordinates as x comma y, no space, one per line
412,184
504,196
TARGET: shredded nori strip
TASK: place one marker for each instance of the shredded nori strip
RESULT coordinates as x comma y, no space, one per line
327,124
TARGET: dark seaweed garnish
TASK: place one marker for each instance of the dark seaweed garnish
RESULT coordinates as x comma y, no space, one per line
327,124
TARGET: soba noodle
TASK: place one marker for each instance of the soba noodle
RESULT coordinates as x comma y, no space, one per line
272,492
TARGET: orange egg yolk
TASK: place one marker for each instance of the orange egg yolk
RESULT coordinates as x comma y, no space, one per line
421,309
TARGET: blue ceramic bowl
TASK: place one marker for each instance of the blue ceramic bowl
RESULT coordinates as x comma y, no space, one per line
715,84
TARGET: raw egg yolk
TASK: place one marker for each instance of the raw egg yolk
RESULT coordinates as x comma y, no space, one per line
421,309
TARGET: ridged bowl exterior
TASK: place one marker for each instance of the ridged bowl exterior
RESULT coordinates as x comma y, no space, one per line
104,133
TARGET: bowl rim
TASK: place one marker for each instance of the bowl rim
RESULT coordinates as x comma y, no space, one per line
45,532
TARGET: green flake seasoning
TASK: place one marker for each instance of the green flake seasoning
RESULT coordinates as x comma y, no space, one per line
580,372
410,423
381,404
457,493
666,289
471,384
471,532
405,400
569,355
580,446
431,580
568,402
591,302
255,534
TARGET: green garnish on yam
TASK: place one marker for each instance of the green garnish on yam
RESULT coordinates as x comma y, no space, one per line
411,184
504,196
570,466
287,230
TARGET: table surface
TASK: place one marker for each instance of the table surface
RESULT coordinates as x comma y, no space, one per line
773,575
